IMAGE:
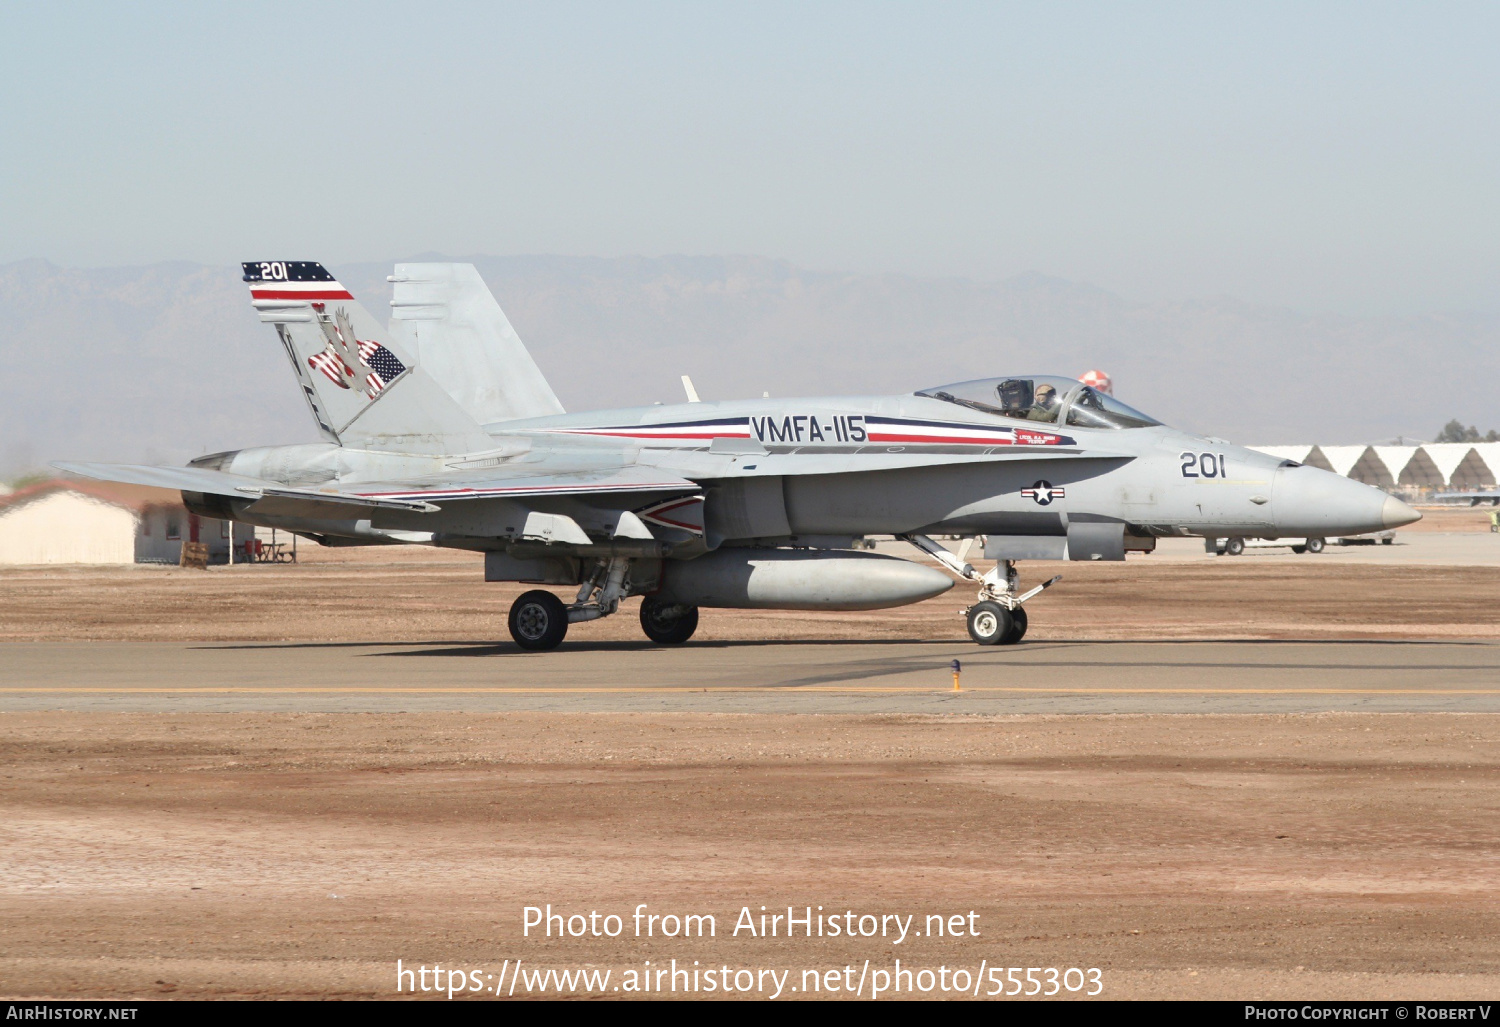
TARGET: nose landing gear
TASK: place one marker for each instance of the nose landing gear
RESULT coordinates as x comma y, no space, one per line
999,618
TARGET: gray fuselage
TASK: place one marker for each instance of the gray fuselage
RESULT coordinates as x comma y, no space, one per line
856,466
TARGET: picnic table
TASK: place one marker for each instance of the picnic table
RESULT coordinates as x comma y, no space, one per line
257,551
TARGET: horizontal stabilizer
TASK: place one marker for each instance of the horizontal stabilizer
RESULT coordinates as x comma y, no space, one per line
235,486
188,479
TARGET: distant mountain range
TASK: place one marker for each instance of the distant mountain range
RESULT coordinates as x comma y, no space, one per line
166,361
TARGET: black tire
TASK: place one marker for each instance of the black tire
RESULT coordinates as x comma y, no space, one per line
1235,547
1017,627
1299,550
989,623
1388,541
667,630
1315,545
538,620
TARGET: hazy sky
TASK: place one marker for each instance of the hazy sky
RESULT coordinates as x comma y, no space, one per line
1322,156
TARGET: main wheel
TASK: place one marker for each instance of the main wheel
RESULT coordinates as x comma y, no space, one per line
538,620
1299,550
1388,541
666,628
989,623
1315,545
1017,627
1235,546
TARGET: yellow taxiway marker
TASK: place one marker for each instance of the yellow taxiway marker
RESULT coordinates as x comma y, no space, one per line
695,690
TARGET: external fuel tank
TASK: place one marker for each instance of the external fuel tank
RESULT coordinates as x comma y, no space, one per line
799,579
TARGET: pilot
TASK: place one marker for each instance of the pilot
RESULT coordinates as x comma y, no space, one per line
1045,406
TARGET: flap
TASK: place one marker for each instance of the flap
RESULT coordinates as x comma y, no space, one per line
529,481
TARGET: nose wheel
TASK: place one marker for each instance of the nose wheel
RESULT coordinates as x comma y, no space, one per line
1017,626
992,624
989,622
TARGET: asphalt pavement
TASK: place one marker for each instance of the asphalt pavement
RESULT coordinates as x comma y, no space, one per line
756,677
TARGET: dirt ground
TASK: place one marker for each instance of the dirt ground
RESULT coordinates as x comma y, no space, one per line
1449,519
1338,855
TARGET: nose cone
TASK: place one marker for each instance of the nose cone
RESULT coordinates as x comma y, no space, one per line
1313,502
1396,513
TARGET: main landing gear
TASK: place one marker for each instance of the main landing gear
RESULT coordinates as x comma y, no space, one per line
668,623
539,620
998,618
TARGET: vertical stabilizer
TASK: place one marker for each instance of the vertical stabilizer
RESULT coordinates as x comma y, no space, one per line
363,388
446,316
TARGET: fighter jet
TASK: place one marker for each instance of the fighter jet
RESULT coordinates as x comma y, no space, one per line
440,430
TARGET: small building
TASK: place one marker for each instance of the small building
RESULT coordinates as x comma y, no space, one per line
77,522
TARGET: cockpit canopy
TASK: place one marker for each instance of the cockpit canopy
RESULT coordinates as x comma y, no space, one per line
1047,398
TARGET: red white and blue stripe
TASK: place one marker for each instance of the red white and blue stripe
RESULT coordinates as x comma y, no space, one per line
842,430
677,431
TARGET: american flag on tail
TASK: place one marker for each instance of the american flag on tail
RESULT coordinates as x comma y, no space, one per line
379,359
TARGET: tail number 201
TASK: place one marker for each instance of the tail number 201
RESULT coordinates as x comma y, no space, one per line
1203,465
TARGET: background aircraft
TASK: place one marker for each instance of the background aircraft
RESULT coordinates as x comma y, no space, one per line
1492,497
442,431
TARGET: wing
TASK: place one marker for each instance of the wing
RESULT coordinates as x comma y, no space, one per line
418,494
